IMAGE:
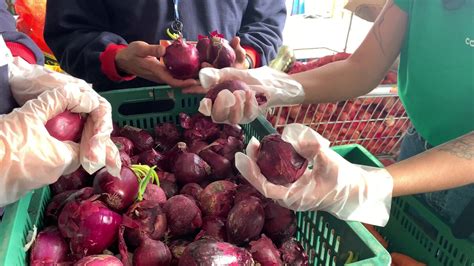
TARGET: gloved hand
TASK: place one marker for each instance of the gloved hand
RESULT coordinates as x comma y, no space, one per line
241,107
29,157
348,191
96,149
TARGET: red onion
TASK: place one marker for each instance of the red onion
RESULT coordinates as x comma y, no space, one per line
232,131
221,168
56,205
197,146
190,168
216,50
213,227
152,252
280,223
150,157
154,193
117,192
66,126
125,159
142,140
293,253
217,198
123,144
170,157
170,188
90,226
49,247
245,221
245,191
76,180
278,160
182,222
144,219
212,252
227,147
166,136
199,127
99,260
265,252
182,60
233,85
192,189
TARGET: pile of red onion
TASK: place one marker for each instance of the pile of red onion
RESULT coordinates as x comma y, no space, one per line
184,205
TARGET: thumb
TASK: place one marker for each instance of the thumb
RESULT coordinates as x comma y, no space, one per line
145,49
235,42
71,158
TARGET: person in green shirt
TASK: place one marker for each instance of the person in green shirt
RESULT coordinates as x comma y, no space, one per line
435,41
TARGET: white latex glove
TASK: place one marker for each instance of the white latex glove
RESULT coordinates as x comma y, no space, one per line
29,157
96,149
241,107
348,191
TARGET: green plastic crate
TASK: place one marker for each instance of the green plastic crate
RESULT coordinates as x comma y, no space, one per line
327,240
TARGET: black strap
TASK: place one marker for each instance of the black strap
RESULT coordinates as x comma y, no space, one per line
463,227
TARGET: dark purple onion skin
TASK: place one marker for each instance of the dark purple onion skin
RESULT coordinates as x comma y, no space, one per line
221,168
227,147
212,252
199,127
177,248
154,193
182,60
118,192
150,157
123,144
90,226
293,253
280,223
59,201
170,157
232,131
152,252
143,220
142,140
49,247
245,221
166,136
265,252
99,260
278,160
213,227
231,85
170,188
190,168
217,198
203,45
244,191
192,189
76,180
183,215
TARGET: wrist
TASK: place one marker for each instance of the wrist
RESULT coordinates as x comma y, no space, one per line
112,63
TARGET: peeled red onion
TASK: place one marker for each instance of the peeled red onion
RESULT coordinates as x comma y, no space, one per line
152,252
183,215
265,252
212,252
280,223
99,260
66,126
217,198
190,168
245,221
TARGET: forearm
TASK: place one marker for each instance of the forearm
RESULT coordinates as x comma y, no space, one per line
447,166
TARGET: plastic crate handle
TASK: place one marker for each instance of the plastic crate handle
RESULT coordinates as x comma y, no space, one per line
136,102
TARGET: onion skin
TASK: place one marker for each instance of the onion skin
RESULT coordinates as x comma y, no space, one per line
170,188
150,157
182,60
118,192
213,227
265,252
152,252
154,193
56,205
99,260
245,221
221,168
182,222
212,252
66,126
123,144
217,198
90,226
76,180
166,136
278,160
144,220
49,247
177,248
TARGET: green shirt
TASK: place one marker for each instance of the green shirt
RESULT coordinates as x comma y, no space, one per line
436,71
